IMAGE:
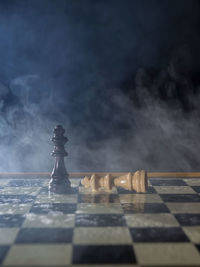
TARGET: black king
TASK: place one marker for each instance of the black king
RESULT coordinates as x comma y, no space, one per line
59,182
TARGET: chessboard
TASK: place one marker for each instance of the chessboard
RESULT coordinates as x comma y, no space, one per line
117,228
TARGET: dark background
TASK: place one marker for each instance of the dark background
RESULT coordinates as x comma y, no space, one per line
121,76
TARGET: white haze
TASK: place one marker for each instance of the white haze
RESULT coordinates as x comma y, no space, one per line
159,138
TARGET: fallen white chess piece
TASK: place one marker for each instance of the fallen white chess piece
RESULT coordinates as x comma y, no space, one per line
131,181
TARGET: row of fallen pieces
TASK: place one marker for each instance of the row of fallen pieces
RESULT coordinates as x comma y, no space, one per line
137,181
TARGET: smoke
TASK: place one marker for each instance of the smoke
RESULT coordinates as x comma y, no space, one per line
121,79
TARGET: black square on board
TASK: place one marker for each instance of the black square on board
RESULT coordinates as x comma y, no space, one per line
196,188
158,234
145,208
167,182
180,197
3,252
100,220
64,207
188,219
45,208
198,247
44,235
11,220
103,254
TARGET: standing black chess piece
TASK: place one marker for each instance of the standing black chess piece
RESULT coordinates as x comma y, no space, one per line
59,182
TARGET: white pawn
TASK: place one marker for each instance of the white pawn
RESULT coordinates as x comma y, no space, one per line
133,181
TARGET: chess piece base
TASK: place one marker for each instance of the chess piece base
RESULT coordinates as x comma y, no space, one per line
59,186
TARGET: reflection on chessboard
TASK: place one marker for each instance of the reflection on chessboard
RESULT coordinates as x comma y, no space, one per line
83,228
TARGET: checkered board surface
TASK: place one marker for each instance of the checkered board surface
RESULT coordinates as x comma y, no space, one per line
123,228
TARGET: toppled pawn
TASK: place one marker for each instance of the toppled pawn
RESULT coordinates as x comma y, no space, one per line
95,182
131,181
59,182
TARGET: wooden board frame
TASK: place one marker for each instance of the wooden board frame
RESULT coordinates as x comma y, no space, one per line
114,174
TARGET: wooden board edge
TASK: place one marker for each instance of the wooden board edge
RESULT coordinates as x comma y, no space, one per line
114,174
